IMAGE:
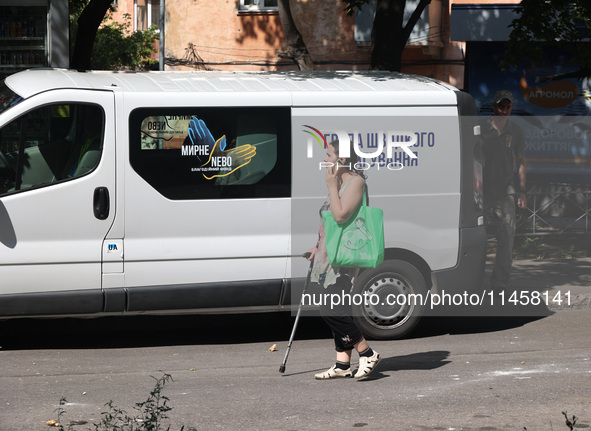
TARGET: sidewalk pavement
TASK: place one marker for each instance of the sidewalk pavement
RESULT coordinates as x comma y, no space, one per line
564,277
556,264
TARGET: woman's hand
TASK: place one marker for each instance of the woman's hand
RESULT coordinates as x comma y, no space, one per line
331,178
522,200
311,253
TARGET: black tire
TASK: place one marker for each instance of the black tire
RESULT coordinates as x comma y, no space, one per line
384,321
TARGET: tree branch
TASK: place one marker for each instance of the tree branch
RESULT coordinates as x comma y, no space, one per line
412,21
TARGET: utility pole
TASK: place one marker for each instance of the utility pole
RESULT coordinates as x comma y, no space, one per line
162,22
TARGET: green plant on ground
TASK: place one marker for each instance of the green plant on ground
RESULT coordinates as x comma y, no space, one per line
570,422
151,413
569,252
60,414
540,256
529,243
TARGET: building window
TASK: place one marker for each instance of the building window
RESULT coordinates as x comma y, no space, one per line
258,5
147,14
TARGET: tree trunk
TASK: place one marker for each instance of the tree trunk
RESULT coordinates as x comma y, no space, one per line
88,23
296,47
389,36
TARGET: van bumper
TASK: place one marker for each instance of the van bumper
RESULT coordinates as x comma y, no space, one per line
468,275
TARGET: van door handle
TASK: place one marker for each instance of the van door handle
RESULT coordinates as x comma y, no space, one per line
101,203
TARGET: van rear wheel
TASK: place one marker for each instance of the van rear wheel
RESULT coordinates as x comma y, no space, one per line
393,299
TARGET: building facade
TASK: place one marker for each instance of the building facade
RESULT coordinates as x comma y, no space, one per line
247,35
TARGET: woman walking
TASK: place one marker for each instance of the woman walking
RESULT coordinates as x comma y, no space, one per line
345,187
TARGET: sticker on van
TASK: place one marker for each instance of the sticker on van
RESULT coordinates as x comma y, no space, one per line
191,135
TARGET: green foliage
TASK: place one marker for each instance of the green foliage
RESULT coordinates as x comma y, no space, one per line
117,47
60,414
564,24
76,7
151,413
570,422
529,243
569,252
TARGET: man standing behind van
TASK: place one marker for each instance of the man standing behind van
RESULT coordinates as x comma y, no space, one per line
502,149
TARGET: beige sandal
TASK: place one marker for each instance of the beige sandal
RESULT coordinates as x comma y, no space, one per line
333,373
367,365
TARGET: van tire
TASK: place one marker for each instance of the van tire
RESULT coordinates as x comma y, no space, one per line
383,321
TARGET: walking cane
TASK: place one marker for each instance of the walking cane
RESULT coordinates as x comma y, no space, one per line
295,324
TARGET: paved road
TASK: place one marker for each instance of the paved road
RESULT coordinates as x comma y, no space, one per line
502,373
469,373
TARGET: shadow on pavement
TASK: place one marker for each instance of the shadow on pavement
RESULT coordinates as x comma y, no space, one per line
142,331
417,361
145,331
551,273
434,326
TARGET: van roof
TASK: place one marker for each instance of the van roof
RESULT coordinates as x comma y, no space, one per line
317,85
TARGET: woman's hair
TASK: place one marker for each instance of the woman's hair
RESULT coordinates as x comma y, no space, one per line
353,159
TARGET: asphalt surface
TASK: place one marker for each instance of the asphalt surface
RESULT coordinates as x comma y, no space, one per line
470,373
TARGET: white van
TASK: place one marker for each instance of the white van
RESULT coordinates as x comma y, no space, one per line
175,192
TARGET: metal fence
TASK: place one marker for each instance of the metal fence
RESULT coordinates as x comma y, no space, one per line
556,209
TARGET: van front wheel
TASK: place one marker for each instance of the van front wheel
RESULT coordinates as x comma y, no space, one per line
389,299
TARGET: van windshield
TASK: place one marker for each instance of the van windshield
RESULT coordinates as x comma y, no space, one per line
8,98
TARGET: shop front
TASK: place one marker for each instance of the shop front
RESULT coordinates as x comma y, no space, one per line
552,100
33,33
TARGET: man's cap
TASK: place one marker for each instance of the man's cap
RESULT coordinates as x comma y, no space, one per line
502,95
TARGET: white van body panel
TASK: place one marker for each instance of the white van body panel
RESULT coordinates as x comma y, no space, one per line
302,89
58,241
176,242
421,215
159,253
170,242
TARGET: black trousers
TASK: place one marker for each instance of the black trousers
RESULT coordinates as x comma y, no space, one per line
338,317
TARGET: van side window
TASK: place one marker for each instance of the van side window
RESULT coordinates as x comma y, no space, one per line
50,144
212,153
